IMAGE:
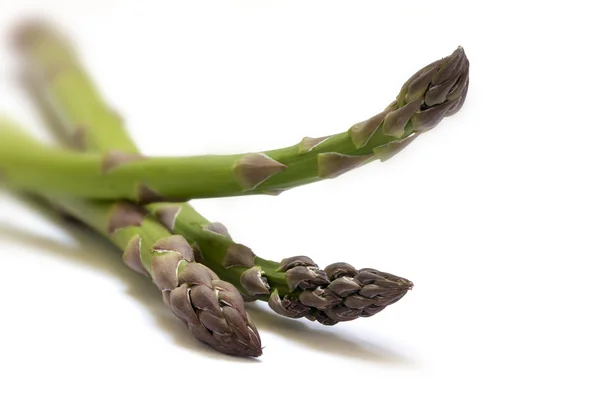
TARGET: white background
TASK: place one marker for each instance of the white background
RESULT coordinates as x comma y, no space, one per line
494,214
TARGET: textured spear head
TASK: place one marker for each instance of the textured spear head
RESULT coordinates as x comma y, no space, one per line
436,91
338,293
212,309
362,293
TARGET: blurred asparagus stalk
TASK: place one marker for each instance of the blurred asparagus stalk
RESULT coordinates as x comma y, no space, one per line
436,91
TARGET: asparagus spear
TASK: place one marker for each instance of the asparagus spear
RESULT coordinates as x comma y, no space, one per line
212,309
294,287
436,91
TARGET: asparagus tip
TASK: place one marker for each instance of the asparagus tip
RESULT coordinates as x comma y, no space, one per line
214,312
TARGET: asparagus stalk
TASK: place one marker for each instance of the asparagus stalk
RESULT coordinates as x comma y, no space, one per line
436,91
294,287
212,309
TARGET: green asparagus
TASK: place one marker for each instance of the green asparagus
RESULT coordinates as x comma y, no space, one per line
294,287
436,91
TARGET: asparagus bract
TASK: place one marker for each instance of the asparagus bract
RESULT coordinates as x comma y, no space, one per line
294,287
436,91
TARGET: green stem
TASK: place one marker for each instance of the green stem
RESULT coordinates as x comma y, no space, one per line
32,165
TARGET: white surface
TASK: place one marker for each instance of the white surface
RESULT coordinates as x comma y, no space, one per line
494,215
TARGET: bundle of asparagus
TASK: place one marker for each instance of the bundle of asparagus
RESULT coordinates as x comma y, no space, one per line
202,273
